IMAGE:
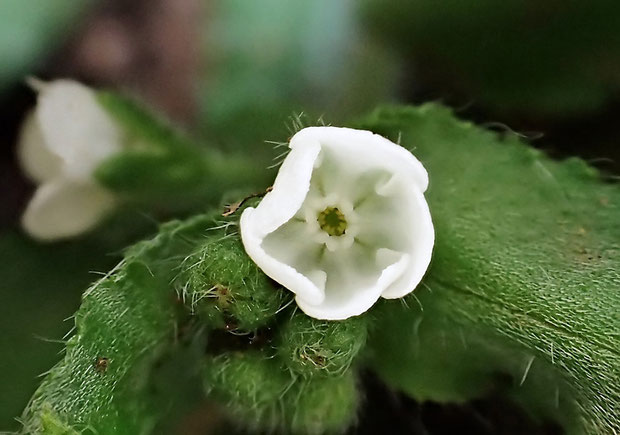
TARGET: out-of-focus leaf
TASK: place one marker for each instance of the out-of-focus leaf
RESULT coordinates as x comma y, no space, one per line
41,286
524,288
29,30
161,168
274,59
272,51
527,56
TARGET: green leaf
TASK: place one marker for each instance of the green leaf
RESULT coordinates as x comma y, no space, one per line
523,293
126,322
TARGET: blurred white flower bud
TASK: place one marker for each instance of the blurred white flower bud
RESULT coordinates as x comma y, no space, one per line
61,144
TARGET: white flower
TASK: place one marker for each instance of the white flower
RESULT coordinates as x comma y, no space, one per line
61,144
345,223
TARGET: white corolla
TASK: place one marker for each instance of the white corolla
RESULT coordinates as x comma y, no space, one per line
345,223
61,144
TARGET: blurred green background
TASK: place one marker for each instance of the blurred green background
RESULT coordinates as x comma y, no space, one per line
237,73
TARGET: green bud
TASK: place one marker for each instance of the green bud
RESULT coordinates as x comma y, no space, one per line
261,395
310,346
322,405
52,425
251,386
222,284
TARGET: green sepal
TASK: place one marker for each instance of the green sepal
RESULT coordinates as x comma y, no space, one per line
310,346
162,165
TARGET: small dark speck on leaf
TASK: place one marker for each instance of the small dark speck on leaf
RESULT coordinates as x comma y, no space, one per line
101,364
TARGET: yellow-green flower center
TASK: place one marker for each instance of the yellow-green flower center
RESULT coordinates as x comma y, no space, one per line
332,221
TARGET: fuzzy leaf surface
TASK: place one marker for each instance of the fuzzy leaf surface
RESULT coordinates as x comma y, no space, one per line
523,293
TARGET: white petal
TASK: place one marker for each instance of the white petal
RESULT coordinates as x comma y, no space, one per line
63,208
37,161
75,126
402,222
354,291
289,190
277,207
362,149
310,286
379,185
421,249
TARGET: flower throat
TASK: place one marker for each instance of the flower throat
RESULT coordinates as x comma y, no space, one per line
332,221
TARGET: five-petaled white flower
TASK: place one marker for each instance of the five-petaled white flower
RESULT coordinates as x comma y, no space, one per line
60,146
345,223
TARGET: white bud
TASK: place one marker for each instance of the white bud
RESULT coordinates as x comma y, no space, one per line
61,145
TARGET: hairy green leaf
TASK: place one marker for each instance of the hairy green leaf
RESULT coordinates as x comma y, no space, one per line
524,288
126,322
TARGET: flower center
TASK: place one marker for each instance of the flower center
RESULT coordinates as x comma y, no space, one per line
332,221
